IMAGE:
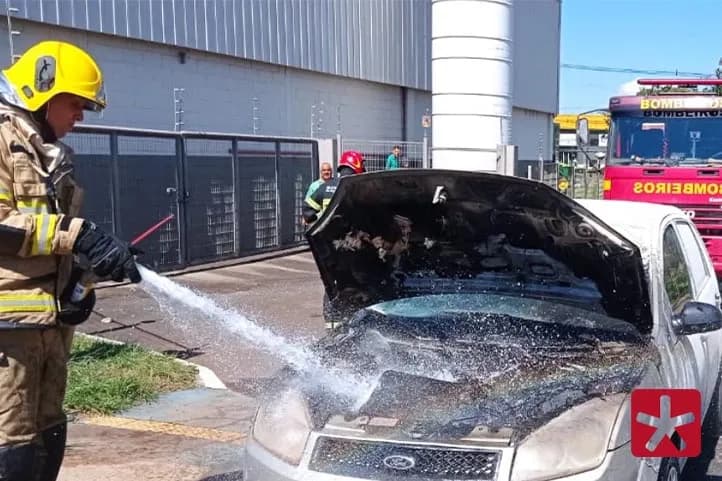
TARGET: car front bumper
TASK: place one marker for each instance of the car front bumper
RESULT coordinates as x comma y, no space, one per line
618,465
260,465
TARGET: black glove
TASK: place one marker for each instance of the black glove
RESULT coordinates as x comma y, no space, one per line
74,313
108,255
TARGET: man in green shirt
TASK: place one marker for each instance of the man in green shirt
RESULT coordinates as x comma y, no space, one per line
392,161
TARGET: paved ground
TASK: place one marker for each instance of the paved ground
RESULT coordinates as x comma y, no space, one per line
283,294
200,438
198,435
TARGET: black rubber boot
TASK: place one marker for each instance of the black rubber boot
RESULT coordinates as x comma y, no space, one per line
54,441
17,463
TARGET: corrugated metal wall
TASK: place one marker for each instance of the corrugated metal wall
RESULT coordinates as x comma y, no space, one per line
385,41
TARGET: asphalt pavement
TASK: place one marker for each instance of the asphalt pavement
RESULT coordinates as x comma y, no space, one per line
198,435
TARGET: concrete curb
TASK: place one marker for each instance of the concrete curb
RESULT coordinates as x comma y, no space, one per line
206,376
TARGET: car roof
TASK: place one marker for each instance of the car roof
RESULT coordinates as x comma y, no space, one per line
639,222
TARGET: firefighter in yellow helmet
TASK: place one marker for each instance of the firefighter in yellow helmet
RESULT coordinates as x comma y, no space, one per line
42,96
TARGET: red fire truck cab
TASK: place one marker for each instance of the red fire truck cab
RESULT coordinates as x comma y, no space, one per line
665,146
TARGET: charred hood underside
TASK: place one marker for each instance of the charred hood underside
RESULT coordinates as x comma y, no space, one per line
389,235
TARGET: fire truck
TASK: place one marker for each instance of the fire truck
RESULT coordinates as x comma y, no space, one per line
665,146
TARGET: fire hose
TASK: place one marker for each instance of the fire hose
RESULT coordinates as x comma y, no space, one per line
87,281
152,229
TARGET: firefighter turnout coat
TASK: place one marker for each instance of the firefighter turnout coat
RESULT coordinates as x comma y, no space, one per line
38,202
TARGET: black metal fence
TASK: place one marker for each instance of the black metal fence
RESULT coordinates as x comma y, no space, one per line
576,181
413,154
230,195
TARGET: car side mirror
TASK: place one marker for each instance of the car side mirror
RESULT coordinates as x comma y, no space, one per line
697,317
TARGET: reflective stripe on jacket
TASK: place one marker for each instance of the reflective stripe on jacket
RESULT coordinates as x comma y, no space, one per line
314,187
319,200
38,199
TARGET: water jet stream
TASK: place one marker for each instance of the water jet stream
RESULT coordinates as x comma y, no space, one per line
298,357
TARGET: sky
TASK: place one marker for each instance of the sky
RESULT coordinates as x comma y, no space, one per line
684,35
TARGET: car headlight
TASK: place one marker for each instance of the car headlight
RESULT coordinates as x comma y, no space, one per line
283,426
577,440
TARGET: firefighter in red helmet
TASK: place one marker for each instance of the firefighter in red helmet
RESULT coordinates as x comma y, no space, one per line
351,162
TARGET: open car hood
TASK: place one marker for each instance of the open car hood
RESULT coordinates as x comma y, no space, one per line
394,234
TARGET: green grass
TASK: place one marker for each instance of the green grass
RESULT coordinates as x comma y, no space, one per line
106,378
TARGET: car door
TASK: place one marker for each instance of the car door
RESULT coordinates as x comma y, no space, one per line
705,289
683,357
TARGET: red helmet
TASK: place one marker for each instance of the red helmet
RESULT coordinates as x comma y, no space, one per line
353,160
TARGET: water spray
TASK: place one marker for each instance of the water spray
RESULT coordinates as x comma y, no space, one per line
298,357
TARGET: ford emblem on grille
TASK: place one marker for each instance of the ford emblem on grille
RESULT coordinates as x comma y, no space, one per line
399,462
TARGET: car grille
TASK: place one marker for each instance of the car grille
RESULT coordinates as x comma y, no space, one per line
372,460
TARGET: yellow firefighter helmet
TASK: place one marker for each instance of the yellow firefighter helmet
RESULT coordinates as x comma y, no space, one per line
50,68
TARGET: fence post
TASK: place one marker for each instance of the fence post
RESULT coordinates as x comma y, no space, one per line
337,152
279,224
316,167
181,198
236,198
425,153
115,183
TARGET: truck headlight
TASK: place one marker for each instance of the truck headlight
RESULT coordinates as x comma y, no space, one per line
283,425
577,440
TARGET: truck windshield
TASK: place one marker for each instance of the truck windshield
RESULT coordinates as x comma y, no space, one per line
636,139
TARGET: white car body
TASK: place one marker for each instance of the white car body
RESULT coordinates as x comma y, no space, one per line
686,360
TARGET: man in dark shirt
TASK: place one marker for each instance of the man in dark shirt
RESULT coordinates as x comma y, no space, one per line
350,163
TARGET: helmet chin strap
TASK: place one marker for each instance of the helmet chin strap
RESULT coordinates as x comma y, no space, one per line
46,130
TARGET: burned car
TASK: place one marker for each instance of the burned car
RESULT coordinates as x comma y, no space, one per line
492,329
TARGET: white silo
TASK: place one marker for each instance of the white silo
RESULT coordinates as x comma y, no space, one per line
471,69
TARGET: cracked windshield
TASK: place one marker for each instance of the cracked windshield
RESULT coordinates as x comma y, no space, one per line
350,240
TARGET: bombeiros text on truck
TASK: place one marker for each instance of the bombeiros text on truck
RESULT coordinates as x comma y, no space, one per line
665,147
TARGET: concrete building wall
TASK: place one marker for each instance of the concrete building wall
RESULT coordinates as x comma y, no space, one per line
418,104
536,54
290,84
537,29
533,133
219,91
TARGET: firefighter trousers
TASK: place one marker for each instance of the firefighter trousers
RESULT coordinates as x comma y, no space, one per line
33,377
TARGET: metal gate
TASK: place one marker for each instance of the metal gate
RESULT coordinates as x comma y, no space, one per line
131,180
230,195
210,199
